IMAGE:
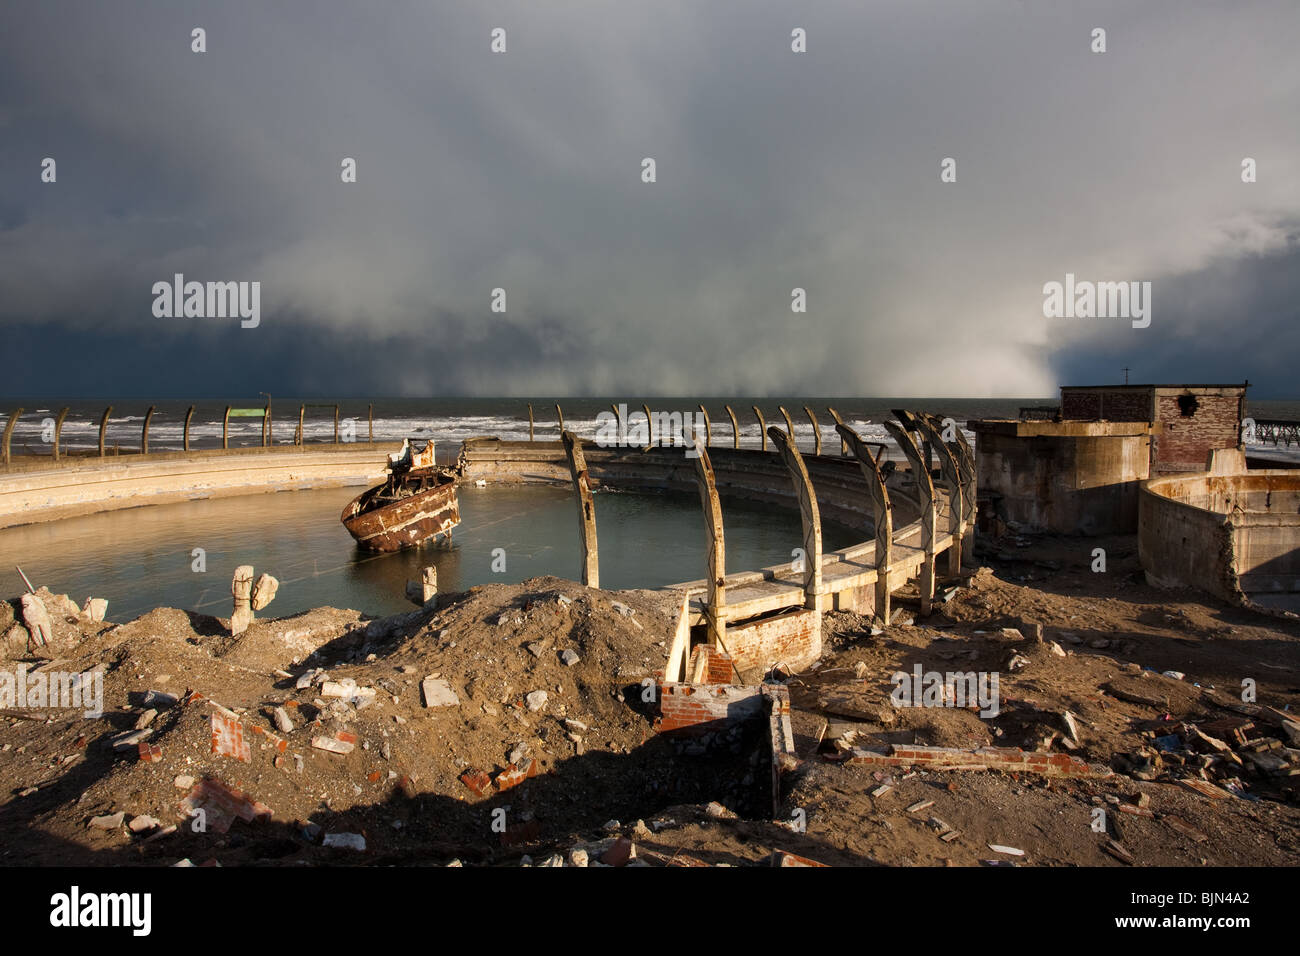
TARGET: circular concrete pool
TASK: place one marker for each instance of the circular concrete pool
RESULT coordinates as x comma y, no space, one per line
183,555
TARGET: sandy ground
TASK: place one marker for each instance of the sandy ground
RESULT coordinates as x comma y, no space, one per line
431,785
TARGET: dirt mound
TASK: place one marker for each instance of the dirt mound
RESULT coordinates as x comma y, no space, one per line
540,716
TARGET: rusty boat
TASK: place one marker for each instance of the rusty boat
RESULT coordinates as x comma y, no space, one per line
417,503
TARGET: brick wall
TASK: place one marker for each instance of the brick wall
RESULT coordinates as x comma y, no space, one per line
700,708
1114,405
793,638
717,670
1185,441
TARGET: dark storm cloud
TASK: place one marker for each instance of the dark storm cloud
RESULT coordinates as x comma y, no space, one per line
521,171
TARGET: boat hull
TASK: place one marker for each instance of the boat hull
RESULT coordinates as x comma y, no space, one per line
404,523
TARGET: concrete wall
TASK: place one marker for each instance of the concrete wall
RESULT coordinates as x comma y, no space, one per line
1235,536
1067,477
105,484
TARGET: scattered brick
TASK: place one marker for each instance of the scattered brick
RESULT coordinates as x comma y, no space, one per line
228,738
150,753
514,775
222,805
477,780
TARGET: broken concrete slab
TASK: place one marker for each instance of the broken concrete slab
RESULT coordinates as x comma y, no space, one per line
438,693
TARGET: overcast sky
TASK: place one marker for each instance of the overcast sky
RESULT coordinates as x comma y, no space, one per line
522,170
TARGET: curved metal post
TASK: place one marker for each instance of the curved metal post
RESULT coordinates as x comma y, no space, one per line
817,431
762,426
9,434
925,502
789,424
735,428
144,433
950,470
809,514
883,517
58,430
103,429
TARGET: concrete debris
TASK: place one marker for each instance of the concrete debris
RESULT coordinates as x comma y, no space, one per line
1008,850
569,657
536,700
37,619
158,699
345,841
342,744
438,693
131,739
110,821
95,609
264,591
282,721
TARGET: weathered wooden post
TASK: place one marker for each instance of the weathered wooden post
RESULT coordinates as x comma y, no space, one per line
925,502
336,423
103,429
735,428
762,426
708,429
144,433
58,430
370,418
817,431
586,508
188,415
302,414
530,421
651,440
883,518
559,413
715,610
225,429
809,514
9,433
